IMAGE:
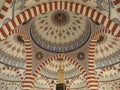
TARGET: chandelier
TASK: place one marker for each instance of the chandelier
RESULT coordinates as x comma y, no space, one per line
61,18
61,80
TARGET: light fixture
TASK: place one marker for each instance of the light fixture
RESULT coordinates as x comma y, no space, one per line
61,80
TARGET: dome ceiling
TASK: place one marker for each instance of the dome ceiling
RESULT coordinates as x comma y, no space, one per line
106,46
2,2
48,31
13,52
14,47
66,32
78,84
51,70
110,75
41,84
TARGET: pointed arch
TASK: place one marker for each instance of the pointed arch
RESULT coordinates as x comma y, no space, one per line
13,69
45,79
5,8
70,60
92,81
117,5
26,84
107,69
59,5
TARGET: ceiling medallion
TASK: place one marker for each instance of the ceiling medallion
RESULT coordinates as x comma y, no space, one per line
60,30
101,39
81,56
39,56
19,38
60,18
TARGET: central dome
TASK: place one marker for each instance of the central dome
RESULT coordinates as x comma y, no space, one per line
60,31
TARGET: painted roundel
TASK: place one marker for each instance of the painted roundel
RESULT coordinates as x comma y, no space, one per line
60,31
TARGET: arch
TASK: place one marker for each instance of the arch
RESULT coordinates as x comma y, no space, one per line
45,79
106,69
117,5
26,82
72,81
76,79
49,6
49,60
13,69
48,81
70,6
92,81
5,8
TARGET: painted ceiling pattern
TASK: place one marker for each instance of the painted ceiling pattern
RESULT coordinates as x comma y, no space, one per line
108,46
51,69
13,47
79,36
1,3
67,31
10,78
41,83
102,5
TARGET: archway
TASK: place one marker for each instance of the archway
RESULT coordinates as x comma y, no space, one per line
70,6
51,59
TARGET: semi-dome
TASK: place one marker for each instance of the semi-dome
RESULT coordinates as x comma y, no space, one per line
39,37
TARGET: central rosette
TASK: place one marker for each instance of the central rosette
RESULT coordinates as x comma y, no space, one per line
60,31
60,18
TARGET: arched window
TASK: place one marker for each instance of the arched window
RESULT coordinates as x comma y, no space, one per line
13,62
17,78
102,78
6,59
106,62
3,75
21,64
12,78
99,64
7,77
113,60
106,77
103,88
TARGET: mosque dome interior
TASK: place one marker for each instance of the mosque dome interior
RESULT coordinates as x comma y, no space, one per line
40,37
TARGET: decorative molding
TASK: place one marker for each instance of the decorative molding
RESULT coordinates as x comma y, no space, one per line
62,5
5,8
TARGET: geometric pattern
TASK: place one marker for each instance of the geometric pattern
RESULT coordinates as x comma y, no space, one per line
107,47
13,47
51,69
93,14
73,34
74,7
5,8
